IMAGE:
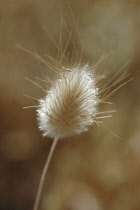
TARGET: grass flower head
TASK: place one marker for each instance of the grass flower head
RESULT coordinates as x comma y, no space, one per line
70,105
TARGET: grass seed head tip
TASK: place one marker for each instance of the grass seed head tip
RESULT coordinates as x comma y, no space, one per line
70,105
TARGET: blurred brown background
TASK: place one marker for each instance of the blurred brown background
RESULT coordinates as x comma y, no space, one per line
94,171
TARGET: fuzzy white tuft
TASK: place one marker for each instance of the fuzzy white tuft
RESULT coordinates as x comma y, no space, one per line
70,105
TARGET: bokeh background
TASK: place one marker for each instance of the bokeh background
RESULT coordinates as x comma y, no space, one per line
93,171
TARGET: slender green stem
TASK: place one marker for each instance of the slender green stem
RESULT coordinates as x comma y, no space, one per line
44,172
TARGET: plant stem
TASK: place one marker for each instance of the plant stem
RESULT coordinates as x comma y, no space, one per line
44,172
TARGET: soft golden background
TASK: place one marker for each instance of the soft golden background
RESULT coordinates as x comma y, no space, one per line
94,171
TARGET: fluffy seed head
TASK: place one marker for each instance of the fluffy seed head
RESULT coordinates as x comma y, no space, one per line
70,105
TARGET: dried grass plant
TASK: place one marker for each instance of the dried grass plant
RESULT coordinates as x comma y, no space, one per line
72,98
